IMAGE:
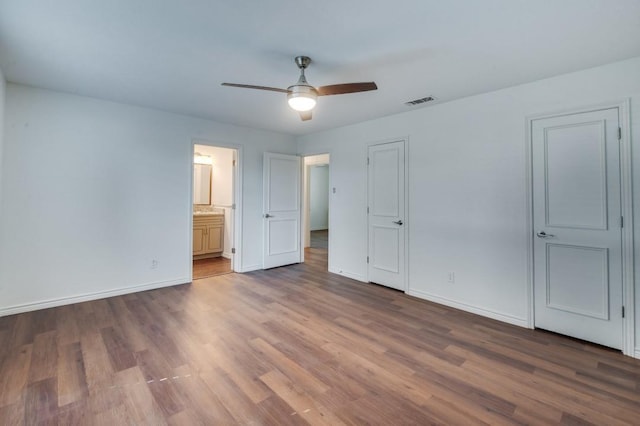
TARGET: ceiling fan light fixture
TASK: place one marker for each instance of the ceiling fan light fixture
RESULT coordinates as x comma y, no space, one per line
302,98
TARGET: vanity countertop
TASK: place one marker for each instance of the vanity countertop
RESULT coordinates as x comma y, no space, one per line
208,213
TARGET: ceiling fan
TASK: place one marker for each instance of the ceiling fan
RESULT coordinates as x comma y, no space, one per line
302,96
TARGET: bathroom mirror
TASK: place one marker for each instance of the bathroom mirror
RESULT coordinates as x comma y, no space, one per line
202,184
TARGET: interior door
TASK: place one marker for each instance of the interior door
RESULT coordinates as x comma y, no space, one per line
281,210
577,226
386,207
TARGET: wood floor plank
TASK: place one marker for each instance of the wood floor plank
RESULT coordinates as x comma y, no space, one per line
243,409
41,403
67,330
137,339
72,380
294,372
278,412
44,357
13,414
42,321
15,374
75,414
451,413
203,403
241,367
21,332
155,370
295,346
98,368
118,348
299,400
567,401
104,396
377,409
115,415
203,268
343,386
380,377
140,405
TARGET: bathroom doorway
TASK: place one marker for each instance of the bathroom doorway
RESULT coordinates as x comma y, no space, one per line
214,210
316,194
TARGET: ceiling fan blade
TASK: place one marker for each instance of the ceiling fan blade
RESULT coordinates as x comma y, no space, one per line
249,86
305,115
339,89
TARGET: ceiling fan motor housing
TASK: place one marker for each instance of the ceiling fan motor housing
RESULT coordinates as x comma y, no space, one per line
302,97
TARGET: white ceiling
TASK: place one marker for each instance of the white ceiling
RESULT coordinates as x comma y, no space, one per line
173,54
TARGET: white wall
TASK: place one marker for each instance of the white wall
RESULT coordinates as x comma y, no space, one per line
94,190
467,190
319,197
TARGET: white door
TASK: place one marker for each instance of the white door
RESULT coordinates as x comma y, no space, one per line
386,207
281,210
577,226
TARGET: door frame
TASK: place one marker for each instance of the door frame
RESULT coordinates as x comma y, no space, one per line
236,259
628,299
407,221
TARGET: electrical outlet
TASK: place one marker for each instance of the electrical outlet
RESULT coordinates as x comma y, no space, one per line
451,277
154,264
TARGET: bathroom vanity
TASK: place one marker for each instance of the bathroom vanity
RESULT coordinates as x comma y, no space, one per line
208,234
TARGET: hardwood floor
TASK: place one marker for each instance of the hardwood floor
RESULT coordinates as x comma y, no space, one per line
320,239
297,345
204,268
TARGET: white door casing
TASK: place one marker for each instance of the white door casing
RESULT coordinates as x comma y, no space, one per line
232,222
578,289
281,210
386,214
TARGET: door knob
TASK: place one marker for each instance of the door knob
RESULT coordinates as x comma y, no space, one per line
267,215
398,222
543,234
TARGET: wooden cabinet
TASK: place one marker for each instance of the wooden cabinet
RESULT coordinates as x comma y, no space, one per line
208,235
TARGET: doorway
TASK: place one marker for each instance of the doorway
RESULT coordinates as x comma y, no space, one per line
316,191
579,255
214,187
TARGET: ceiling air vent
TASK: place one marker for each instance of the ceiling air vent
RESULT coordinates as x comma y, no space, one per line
420,101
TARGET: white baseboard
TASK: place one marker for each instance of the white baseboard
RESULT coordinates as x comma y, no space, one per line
52,303
637,353
521,322
353,276
226,255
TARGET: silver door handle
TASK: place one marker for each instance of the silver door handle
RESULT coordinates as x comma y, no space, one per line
267,215
399,222
543,234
